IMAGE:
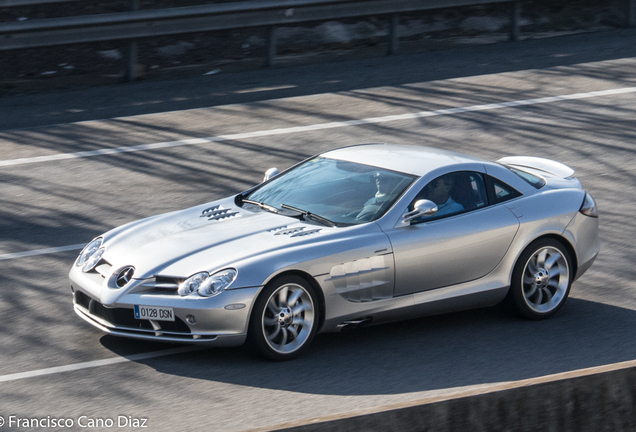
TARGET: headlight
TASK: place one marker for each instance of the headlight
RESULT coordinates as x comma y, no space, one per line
88,251
192,283
208,285
217,282
93,260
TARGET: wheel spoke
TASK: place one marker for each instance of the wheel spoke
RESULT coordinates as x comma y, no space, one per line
271,305
284,341
551,260
532,266
299,321
293,298
547,294
270,321
293,331
541,258
300,308
539,297
555,272
282,297
528,280
271,336
532,291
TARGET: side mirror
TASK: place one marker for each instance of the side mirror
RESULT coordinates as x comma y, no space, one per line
272,172
422,208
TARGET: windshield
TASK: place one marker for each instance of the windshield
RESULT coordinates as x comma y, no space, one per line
340,191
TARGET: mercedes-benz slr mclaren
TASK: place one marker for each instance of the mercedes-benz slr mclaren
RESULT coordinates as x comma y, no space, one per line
354,236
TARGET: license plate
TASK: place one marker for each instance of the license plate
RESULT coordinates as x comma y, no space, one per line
154,313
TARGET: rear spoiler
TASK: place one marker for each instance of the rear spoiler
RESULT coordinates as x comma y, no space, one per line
534,163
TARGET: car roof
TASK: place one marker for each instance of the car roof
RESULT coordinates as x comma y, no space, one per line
407,159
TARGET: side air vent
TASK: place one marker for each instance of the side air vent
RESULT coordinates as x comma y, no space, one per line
218,213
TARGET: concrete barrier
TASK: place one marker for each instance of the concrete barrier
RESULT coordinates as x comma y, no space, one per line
595,399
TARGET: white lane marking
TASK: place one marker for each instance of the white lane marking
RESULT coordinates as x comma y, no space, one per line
13,255
263,89
96,363
314,127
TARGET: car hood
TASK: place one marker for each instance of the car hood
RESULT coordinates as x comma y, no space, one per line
204,238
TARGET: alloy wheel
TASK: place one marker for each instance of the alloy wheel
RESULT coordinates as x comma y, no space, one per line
288,318
546,278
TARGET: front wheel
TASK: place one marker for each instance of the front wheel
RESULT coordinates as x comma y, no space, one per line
285,319
541,279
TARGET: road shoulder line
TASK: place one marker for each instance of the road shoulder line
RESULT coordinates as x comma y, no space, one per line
95,363
314,127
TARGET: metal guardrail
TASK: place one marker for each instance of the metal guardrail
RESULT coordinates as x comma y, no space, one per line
213,17
9,3
137,24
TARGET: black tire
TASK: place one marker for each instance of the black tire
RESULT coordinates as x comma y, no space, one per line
540,284
284,319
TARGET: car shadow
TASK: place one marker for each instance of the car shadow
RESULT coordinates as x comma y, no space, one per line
432,353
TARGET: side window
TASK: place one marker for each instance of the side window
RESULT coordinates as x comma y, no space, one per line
501,192
454,193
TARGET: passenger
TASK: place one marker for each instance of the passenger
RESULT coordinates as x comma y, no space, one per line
385,185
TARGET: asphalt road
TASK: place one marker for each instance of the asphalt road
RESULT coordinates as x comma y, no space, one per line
53,203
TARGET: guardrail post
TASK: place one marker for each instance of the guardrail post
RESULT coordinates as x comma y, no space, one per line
131,61
515,17
271,46
131,54
631,13
393,35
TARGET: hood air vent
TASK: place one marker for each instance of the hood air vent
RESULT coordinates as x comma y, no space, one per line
273,230
300,231
218,213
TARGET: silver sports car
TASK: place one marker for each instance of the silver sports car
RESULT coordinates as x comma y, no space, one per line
353,236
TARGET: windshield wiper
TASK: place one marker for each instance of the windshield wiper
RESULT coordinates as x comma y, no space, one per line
261,205
312,216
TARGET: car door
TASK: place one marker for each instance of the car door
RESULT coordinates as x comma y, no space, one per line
464,241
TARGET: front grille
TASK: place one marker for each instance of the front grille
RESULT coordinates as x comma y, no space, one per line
121,317
160,285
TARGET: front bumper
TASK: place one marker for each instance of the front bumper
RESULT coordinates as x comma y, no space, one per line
221,320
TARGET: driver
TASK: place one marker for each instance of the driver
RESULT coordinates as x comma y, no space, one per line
438,191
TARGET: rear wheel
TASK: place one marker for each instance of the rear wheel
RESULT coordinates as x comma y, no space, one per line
541,279
285,319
